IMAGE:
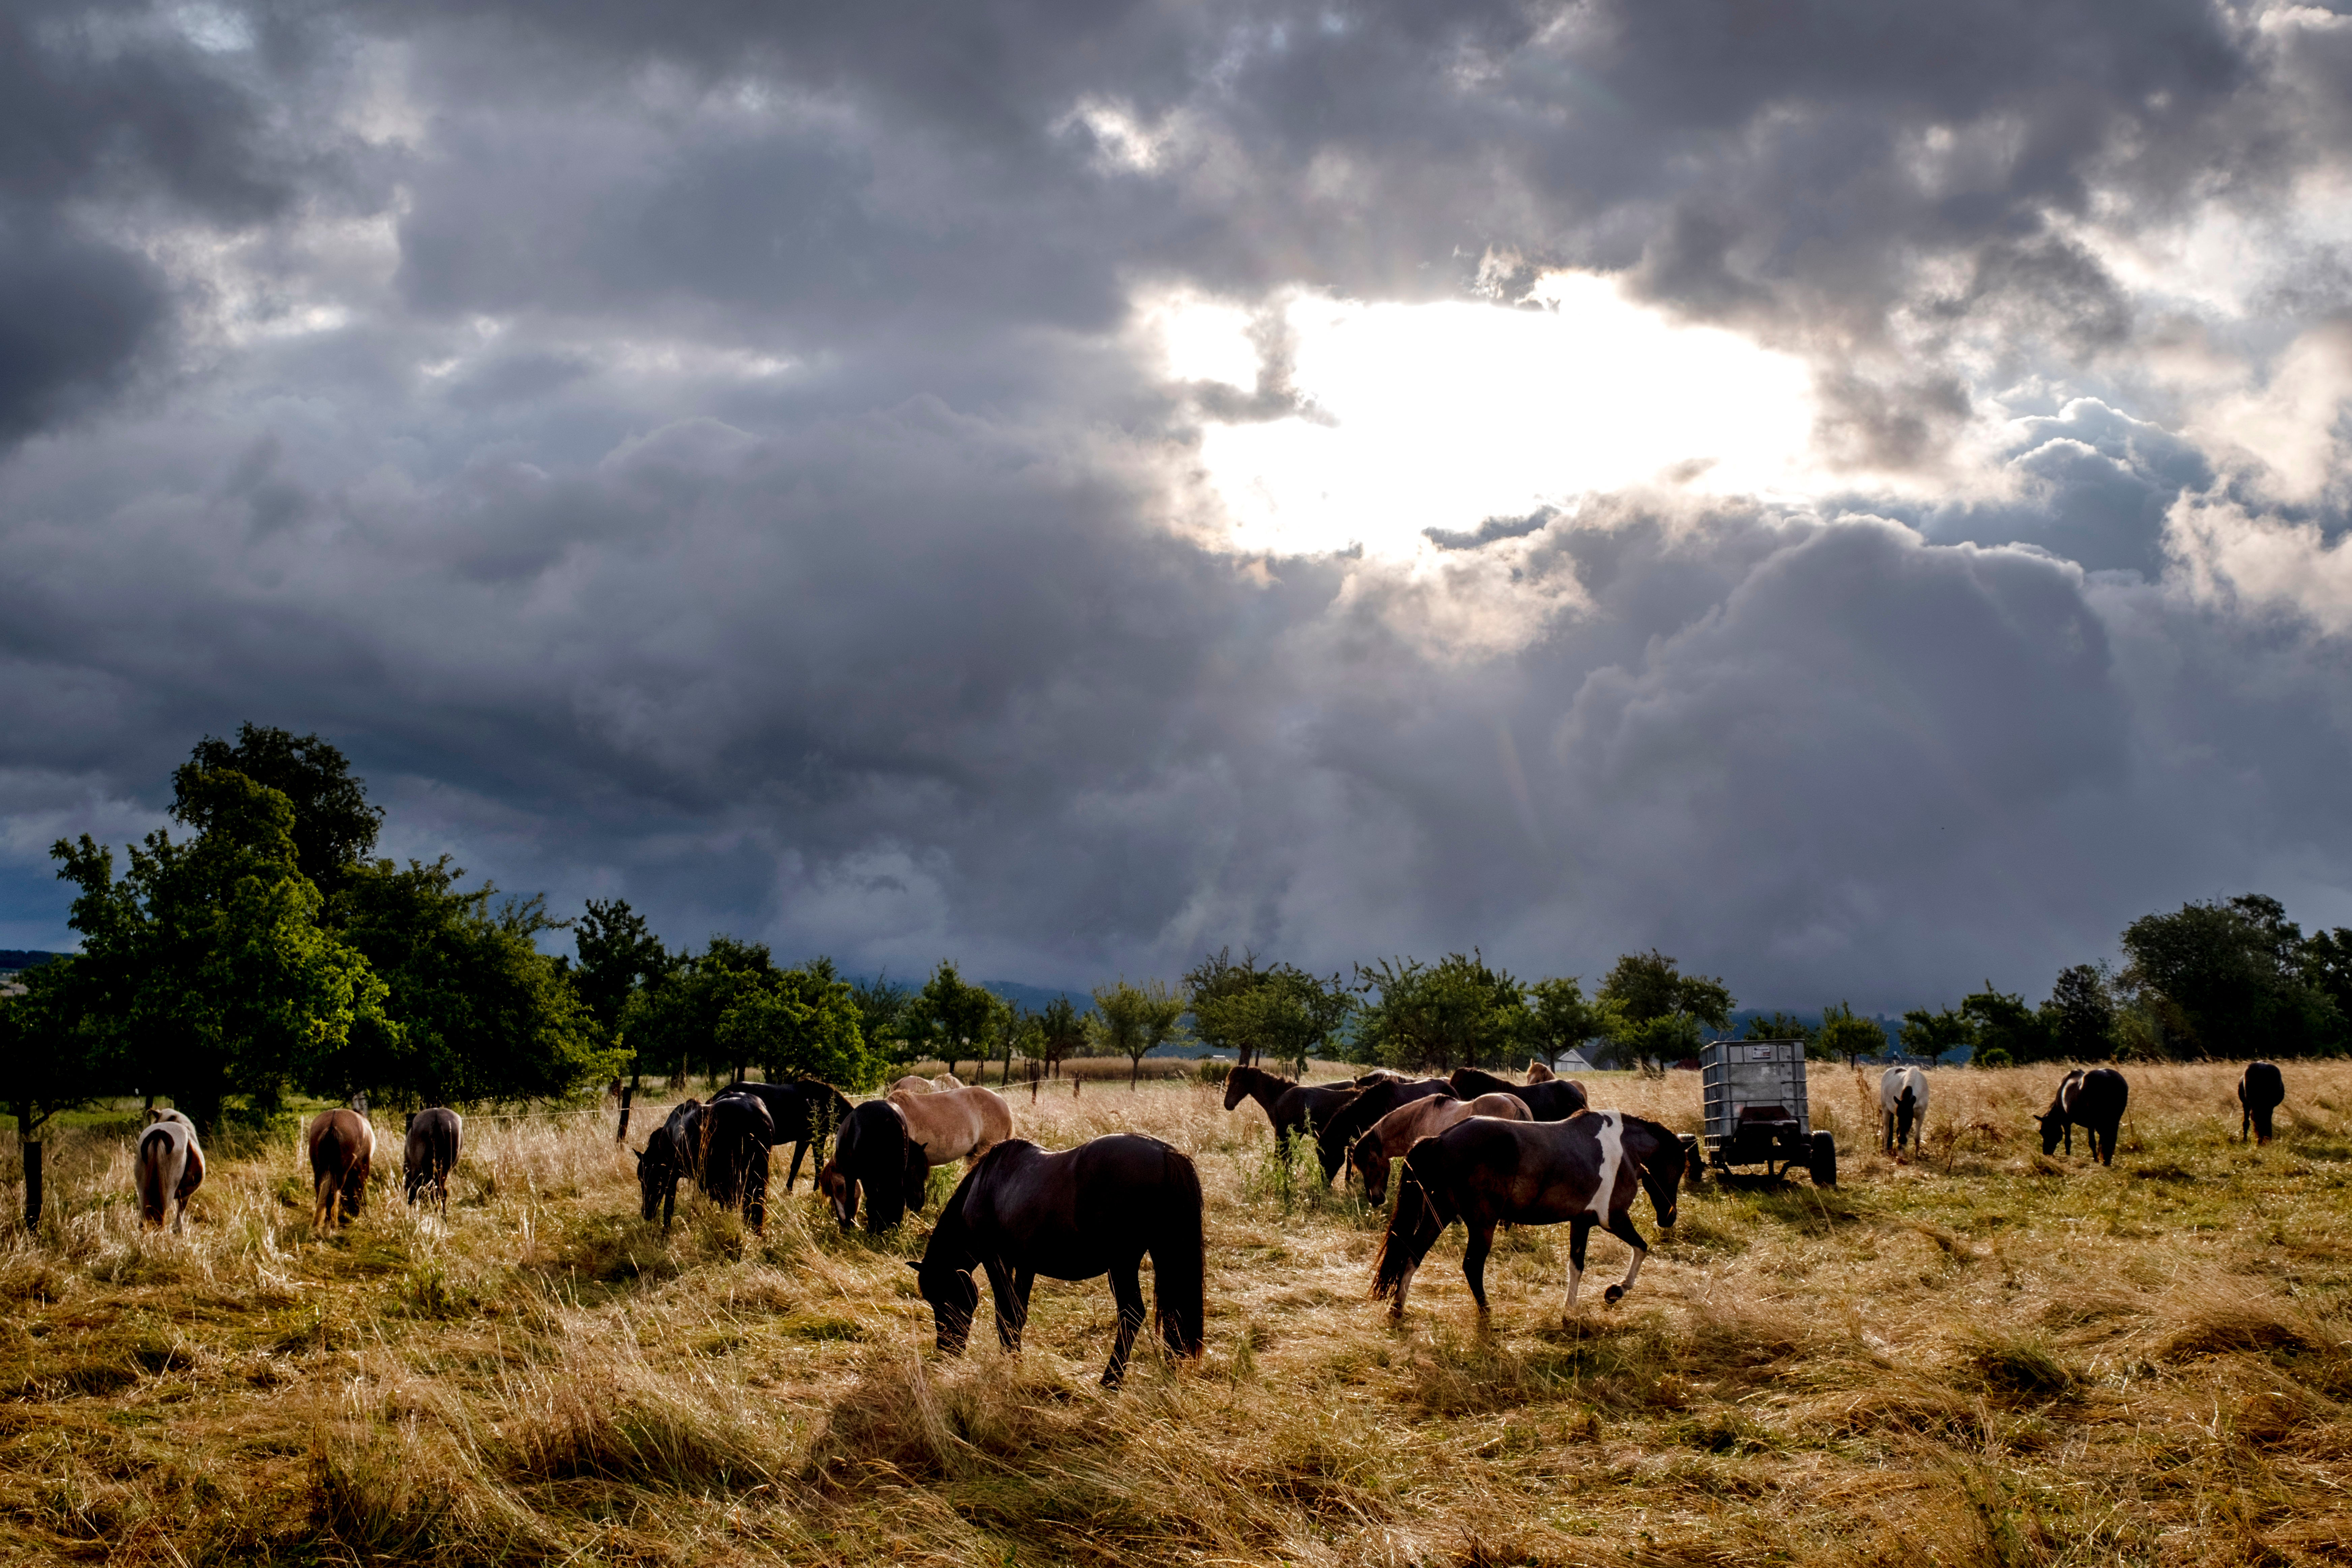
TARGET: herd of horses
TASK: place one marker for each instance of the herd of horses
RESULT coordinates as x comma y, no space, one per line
1472,1147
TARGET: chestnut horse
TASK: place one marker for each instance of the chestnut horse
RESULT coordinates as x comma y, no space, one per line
1400,1130
167,1169
1353,1119
342,1147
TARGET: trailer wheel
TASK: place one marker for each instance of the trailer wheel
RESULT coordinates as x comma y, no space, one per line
1823,1165
1693,1162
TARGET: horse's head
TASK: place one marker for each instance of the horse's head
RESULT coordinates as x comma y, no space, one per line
651,1166
1663,1164
1237,1085
1906,1109
839,1190
1365,1157
954,1297
2054,1128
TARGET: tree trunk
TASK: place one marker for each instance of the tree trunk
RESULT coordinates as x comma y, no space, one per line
1134,1071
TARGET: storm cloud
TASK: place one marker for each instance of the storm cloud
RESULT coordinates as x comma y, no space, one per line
733,457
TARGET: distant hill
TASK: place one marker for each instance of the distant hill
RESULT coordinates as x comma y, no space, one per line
15,958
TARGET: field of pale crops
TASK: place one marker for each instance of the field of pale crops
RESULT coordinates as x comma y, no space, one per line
1983,1357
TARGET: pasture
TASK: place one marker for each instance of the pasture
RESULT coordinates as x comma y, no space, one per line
1983,1356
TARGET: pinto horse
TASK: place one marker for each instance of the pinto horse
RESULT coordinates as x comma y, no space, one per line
1903,1106
1586,1170
2260,1091
1099,1208
672,1154
167,1169
736,1133
2092,1101
1291,1109
342,1147
873,1152
430,1153
802,1112
1334,1137
1401,1129
1548,1099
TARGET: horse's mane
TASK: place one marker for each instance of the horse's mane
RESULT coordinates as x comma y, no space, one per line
1259,1072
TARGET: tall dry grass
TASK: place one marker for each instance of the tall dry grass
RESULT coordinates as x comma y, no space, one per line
1975,1356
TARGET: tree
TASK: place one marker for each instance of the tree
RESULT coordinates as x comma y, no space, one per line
48,1063
1213,989
882,1006
803,1023
1162,1017
477,1012
1118,1024
1654,1011
2232,980
2326,962
2003,1023
618,955
1785,1026
1927,1033
1060,1031
951,1016
334,826
210,976
1560,1019
2079,1019
1458,1012
676,1019
1845,1035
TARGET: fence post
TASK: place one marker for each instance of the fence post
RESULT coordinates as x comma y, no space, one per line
629,1093
32,1148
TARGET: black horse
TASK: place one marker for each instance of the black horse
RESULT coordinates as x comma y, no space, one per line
1553,1099
2092,1101
1099,1208
805,1112
1290,1107
674,1154
2260,1091
1486,1172
1334,1137
430,1153
873,1153
736,1132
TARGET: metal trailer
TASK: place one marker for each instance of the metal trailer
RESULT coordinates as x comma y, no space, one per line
1757,1113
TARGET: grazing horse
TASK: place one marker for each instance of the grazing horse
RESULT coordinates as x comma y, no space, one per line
1585,1170
1553,1099
1291,1109
431,1154
167,1169
1401,1129
956,1123
342,1147
2260,1091
872,1151
1096,1209
671,1155
1539,1071
1333,1137
803,1112
2092,1101
913,1083
736,1133
1903,1106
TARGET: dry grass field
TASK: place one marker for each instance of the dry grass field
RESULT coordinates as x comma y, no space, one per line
1985,1357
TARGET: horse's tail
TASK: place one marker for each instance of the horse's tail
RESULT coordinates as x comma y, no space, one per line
155,1173
1179,1259
1417,1221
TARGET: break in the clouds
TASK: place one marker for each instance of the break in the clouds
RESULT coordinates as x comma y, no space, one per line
1853,496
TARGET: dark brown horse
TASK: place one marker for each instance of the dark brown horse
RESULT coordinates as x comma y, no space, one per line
2092,1101
1586,1170
1551,1100
430,1153
737,1131
1291,1107
168,1168
2260,1091
1099,1208
803,1113
342,1147
673,1154
874,1153
1334,1137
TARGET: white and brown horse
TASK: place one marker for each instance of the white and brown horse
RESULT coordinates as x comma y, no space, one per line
1586,1170
342,1147
167,1168
1903,1108
1400,1130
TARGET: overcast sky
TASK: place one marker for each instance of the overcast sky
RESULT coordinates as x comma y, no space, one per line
1850,494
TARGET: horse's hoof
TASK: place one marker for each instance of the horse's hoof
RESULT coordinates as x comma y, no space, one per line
1614,1294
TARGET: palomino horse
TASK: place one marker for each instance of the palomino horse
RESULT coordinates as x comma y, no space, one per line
1096,1209
1289,1107
342,1146
1903,1106
1586,1170
2092,1101
1552,1099
430,1153
674,1154
1333,1137
2260,1091
168,1167
736,1132
803,1112
1400,1130
956,1123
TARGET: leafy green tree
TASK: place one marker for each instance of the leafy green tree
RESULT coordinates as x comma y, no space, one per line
2004,1022
1785,1026
882,1004
618,955
1060,1032
1845,1035
1288,1017
2326,962
210,976
674,1021
1931,1034
2079,1019
1117,1026
334,826
1459,1011
951,1016
1213,989
48,1062
2230,980
1656,1011
1560,1019
802,1024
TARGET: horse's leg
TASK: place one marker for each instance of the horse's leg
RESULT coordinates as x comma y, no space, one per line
799,1149
1009,1313
1579,1230
1473,1262
1127,1290
1620,1226
1021,1280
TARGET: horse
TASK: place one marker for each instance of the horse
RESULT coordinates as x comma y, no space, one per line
1333,1138
430,1153
1291,1109
1585,1170
737,1131
342,1147
1401,1129
1903,1106
949,1081
956,1123
913,1083
804,1111
1539,1071
673,1154
1552,1099
1099,1208
872,1151
167,1168
2092,1101
2260,1091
